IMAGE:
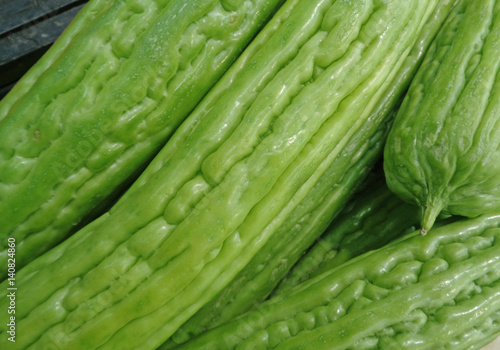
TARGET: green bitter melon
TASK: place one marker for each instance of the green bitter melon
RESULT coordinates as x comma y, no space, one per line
443,152
87,118
224,183
441,291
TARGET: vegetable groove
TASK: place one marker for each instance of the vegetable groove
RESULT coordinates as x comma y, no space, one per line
372,219
83,125
185,265
309,218
446,286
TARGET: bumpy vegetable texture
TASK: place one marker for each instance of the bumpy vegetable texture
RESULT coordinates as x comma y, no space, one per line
225,182
260,276
326,198
443,151
441,291
102,102
372,219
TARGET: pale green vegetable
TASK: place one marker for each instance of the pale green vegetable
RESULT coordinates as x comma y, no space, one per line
83,123
443,152
372,219
437,292
224,183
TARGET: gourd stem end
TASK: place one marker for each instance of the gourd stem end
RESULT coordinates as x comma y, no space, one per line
431,212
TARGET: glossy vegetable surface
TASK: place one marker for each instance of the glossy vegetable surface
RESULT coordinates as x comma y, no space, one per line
441,291
259,277
87,118
443,152
323,202
375,217
224,183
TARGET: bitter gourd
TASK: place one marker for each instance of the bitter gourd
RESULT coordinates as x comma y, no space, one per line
259,277
310,218
372,219
226,180
441,291
102,102
443,152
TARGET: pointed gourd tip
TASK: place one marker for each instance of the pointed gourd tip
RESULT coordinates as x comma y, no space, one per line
431,212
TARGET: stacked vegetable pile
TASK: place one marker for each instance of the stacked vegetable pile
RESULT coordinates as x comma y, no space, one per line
162,196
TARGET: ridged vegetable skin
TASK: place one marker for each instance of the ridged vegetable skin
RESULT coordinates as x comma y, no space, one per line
441,291
228,178
324,201
443,152
87,118
259,277
372,219
308,220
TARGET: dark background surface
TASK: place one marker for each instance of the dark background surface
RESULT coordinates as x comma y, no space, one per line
27,29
